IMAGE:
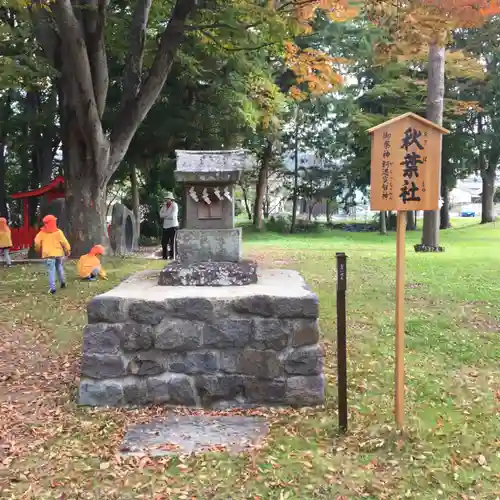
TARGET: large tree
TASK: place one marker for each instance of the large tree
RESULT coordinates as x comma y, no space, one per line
75,36
417,24
485,125
72,34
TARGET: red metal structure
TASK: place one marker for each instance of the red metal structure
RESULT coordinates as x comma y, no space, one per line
23,237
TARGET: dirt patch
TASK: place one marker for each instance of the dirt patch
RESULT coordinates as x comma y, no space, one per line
474,318
271,259
471,382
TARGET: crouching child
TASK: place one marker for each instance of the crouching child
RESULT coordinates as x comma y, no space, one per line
89,266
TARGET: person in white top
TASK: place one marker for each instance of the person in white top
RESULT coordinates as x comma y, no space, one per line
168,213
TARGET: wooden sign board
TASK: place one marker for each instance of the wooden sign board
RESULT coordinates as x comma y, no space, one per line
406,164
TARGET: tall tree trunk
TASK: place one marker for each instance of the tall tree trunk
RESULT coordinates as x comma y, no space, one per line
411,224
295,193
267,199
135,198
5,111
260,188
383,223
435,104
44,141
444,213
3,172
85,197
487,204
327,212
244,191
310,209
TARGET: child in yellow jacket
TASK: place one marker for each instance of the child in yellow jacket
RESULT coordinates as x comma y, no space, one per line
89,266
5,241
53,246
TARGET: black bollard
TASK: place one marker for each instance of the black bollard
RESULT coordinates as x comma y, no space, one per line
341,340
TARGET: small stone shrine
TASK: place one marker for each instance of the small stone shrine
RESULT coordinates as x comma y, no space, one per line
209,331
209,247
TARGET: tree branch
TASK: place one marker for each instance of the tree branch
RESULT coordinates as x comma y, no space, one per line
133,68
77,69
45,34
239,27
94,21
134,112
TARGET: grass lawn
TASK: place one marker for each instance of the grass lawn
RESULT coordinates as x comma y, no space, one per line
50,448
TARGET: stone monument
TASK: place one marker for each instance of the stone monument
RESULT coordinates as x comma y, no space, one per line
208,330
123,236
209,247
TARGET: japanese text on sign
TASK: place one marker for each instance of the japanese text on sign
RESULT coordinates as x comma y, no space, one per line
411,163
387,168
405,164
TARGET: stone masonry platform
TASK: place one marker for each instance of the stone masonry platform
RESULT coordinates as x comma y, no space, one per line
231,346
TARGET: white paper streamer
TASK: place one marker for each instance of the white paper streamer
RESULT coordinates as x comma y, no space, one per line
193,194
217,193
205,197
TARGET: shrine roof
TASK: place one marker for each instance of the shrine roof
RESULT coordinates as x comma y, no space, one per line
55,185
213,161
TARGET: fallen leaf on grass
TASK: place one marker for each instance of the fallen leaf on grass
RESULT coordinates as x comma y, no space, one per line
168,447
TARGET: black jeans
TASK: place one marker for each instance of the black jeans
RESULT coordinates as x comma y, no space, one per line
168,242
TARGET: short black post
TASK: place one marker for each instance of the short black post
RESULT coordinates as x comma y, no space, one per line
341,340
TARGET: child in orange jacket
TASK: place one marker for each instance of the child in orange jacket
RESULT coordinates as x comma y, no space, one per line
5,241
53,246
89,266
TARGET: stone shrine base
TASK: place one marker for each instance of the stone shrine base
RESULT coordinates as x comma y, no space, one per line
214,347
209,274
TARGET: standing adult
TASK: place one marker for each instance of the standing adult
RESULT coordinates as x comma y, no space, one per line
168,213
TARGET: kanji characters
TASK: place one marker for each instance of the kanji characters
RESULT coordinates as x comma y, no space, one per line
409,192
411,136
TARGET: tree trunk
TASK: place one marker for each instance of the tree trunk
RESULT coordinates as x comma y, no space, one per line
487,204
260,188
383,224
310,209
135,198
327,212
85,196
444,213
5,110
44,140
410,221
3,189
244,191
267,199
295,175
435,104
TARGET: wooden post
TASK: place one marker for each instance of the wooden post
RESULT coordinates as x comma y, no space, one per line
341,340
405,175
400,319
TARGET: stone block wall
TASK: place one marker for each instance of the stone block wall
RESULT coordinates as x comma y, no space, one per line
254,350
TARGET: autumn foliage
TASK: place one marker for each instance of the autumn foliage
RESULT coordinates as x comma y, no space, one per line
315,71
414,23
